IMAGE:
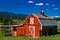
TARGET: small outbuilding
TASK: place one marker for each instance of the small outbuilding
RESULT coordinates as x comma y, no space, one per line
36,25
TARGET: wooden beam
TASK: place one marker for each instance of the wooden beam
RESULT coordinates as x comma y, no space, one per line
9,25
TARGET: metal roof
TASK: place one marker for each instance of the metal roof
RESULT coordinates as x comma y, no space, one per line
48,22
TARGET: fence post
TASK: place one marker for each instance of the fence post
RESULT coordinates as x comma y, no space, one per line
2,31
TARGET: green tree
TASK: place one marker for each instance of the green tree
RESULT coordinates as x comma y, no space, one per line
0,19
7,21
58,19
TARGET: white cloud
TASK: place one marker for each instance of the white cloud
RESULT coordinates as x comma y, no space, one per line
47,4
39,4
55,8
56,16
30,1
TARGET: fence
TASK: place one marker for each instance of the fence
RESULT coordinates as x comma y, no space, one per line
5,30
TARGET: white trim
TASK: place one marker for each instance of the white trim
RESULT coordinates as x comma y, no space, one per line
15,33
38,20
31,20
26,18
36,17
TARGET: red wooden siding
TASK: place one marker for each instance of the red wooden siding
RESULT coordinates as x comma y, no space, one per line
36,24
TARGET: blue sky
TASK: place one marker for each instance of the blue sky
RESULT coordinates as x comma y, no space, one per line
50,7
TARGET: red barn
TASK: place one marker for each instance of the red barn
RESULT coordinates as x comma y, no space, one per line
36,25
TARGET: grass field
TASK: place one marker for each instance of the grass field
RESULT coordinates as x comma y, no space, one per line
50,37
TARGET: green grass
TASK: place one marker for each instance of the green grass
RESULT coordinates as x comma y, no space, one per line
50,37
58,27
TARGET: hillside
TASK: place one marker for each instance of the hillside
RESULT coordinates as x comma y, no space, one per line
58,19
12,15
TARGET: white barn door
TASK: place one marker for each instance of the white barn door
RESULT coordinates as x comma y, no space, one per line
32,31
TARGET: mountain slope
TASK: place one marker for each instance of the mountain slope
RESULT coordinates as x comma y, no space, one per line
12,15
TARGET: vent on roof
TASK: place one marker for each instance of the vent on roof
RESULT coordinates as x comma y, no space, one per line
42,13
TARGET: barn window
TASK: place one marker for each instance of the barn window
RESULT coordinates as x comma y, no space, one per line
14,28
31,20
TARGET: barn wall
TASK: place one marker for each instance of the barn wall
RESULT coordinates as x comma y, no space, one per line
20,31
36,24
49,29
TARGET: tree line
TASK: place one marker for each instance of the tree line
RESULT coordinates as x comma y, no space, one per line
57,19
6,21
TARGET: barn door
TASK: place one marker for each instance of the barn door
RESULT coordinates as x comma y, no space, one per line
32,31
